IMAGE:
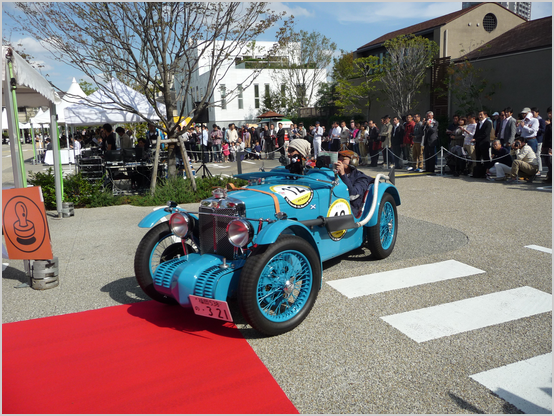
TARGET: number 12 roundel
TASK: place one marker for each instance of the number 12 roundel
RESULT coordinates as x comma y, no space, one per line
338,207
297,196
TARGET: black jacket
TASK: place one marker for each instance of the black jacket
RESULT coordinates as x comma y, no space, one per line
397,137
484,133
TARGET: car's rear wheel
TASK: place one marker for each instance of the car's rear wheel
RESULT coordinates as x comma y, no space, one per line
279,285
381,238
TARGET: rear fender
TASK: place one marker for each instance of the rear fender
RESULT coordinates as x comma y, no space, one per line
269,234
383,188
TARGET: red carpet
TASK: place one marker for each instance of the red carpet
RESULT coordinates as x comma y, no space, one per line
140,358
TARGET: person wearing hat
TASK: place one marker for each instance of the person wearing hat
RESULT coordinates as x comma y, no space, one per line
528,128
357,182
317,132
298,151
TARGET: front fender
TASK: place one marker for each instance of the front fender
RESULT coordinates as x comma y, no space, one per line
383,187
159,214
268,235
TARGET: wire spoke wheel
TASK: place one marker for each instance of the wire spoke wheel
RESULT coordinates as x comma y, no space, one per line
284,286
382,236
279,285
387,225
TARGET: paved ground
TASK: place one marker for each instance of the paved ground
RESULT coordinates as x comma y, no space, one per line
345,358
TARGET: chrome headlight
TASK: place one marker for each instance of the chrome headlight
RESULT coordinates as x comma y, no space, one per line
239,233
179,224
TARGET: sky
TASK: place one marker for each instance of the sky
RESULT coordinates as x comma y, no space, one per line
348,24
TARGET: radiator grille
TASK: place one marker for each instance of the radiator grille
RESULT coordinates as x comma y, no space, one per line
213,238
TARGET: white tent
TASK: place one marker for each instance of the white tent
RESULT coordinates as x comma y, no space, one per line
103,107
39,118
23,86
4,119
72,96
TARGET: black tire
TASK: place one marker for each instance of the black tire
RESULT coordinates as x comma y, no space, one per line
274,304
381,238
161,234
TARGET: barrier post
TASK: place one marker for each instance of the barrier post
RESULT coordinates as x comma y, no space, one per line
442,161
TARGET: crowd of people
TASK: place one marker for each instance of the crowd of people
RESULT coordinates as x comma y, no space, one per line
498,147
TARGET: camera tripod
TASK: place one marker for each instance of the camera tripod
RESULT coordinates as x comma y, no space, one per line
203,168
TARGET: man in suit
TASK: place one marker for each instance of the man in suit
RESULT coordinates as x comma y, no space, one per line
397,139
482,138
508,130
430,138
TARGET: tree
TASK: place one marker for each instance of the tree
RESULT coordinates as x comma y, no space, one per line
468,87
327,97
145,45
279,102
87,87
360,86
406,63
309,54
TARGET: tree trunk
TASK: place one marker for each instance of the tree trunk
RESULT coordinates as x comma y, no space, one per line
155,168
186,162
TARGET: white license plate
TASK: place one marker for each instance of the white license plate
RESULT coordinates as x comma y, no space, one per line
211,308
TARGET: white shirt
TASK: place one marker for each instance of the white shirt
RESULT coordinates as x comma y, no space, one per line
530,127
468,137
317,132
335,134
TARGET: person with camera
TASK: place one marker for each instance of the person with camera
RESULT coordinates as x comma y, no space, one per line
357,182
525,161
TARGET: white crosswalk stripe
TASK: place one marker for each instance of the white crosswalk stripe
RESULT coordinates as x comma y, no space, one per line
402,278
470,314
526,384
539,248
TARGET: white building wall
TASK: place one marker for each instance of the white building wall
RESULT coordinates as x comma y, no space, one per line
234,76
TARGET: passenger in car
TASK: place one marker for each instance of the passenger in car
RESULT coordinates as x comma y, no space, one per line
357,182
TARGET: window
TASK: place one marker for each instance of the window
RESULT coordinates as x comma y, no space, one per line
283,89
267,90
223,92
256,96
241,104
489,22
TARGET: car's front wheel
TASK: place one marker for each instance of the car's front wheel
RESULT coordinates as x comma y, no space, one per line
157,246
279,285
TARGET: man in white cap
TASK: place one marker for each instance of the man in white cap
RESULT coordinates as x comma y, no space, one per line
528,128
298,151
317,132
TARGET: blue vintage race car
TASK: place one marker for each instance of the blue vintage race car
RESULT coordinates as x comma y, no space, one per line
263,244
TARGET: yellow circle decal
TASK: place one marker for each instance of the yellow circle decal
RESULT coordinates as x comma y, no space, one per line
338,207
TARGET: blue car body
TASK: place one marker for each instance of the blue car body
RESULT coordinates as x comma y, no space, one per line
274,203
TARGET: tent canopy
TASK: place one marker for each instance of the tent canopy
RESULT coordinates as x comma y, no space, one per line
33,90
72,96
100,107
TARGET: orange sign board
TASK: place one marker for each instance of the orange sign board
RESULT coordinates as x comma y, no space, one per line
24,224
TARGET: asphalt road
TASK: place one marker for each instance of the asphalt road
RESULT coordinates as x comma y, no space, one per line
345,358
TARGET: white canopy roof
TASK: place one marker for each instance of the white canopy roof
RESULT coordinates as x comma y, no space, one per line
40,118
72,96
101,107
33,90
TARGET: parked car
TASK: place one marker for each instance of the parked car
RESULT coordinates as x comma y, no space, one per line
263,244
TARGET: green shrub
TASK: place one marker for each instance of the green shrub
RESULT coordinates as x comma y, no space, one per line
91,194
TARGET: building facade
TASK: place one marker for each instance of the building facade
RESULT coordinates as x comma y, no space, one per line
521,8
237,96
456,34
